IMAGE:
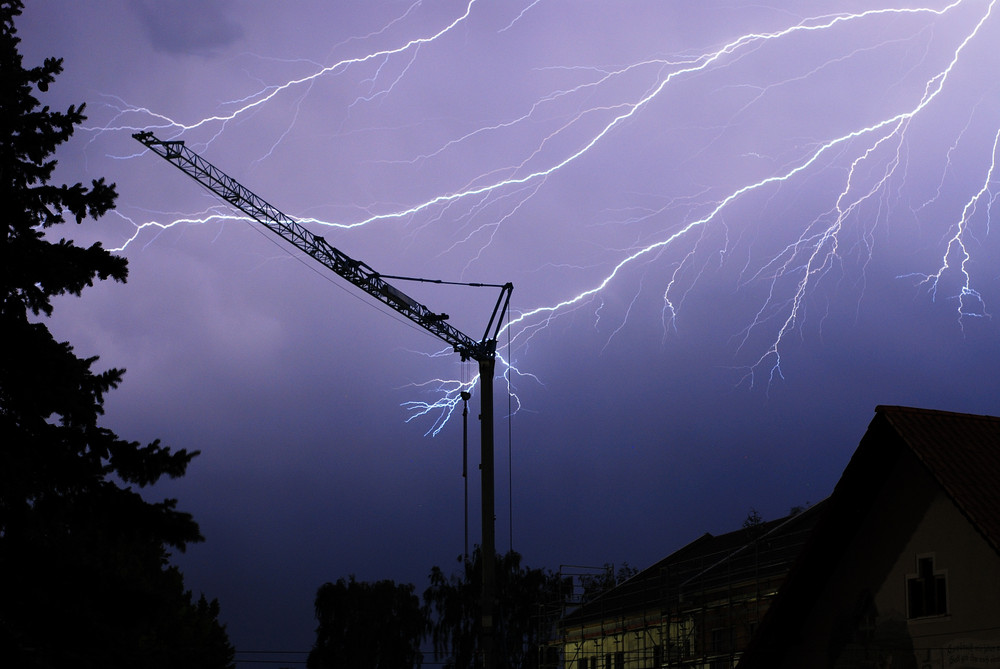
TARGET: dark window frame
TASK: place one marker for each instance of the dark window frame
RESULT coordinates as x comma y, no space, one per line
927,589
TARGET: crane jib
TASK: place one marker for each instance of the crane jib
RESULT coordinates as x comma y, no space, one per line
358,273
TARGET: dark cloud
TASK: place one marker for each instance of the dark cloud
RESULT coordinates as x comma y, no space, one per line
198,27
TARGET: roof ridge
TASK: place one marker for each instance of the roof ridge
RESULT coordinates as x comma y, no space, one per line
956,463
896,408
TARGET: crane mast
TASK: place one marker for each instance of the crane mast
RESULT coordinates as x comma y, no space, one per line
364,277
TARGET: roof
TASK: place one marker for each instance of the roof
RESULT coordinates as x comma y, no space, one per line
705,563
960,452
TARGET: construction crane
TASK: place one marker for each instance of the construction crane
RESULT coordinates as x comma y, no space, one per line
364,277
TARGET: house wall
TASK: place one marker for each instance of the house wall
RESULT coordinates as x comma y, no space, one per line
878,530
968,635
860,618
625,643
719,629
687,640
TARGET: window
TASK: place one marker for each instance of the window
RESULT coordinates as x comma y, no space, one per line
927,591
718,640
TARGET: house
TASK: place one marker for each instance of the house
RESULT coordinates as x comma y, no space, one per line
903,567
696,608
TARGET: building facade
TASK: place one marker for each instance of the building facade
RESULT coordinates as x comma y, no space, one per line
698,607
903,569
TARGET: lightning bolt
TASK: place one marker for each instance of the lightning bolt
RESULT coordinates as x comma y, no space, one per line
254,101
970,302
863,169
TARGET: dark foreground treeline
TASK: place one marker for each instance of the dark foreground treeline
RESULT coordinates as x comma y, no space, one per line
84,573
384,624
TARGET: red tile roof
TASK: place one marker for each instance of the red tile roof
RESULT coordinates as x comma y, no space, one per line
962,453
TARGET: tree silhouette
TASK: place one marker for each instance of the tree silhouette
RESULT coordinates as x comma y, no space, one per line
367,626
595,585
84,573
528,604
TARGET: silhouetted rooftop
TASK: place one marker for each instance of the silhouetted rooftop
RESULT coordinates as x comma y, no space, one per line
705,563
962,453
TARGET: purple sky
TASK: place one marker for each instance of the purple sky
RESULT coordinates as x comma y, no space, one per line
733,230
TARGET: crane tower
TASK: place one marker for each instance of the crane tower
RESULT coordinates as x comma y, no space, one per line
483,351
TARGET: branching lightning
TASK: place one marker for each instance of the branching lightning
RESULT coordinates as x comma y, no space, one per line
253,101
854,172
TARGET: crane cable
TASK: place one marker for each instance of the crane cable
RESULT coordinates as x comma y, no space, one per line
510,429
465,375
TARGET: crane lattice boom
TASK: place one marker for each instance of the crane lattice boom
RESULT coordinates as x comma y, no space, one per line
355,271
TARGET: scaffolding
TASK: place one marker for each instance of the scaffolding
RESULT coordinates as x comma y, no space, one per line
697,608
